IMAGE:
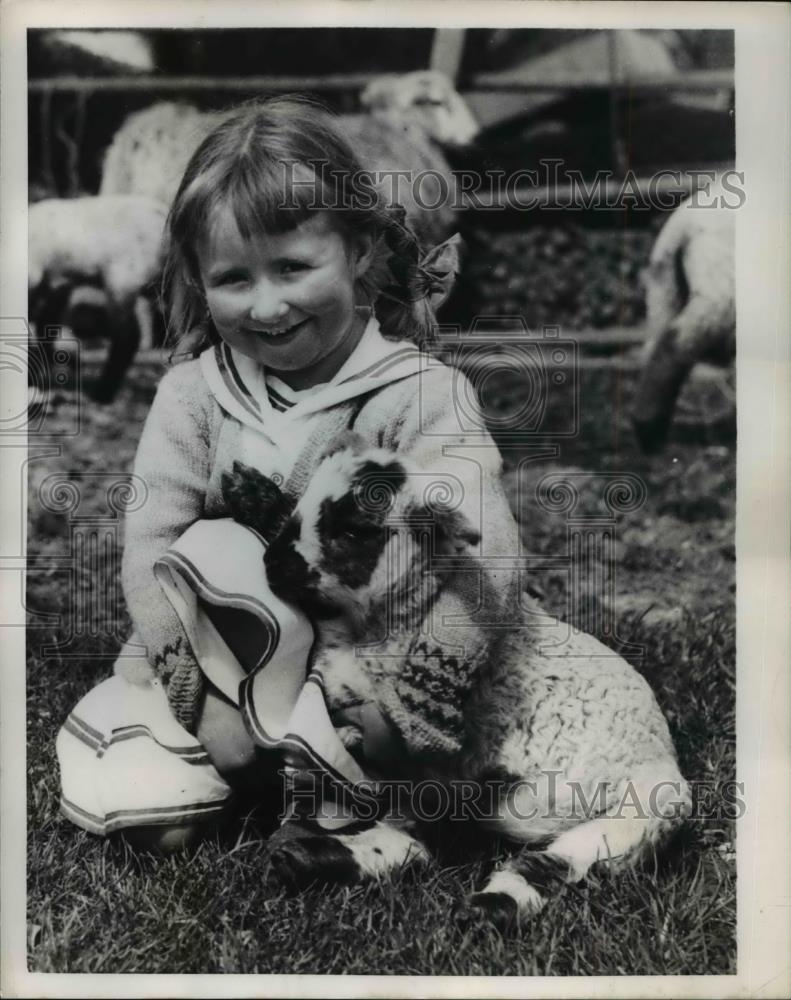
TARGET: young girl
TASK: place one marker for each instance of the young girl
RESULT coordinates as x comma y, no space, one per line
306,303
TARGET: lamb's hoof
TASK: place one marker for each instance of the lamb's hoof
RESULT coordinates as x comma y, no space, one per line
495,908
305,861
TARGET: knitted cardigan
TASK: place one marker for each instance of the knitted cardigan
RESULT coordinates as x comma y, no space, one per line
431,417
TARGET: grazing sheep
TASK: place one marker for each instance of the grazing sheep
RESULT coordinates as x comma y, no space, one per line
408,120
114,242
690,299
565,745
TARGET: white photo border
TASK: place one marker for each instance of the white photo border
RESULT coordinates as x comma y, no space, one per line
763,83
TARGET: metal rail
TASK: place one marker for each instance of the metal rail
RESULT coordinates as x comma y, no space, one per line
701,79
697,80
98,84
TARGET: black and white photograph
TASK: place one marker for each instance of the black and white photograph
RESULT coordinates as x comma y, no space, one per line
378,398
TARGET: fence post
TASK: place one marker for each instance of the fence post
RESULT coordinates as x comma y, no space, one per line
616,145
447,49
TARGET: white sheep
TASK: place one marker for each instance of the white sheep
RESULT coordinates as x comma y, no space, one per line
114,242
565,745
690,301
150,151
428,99
407,121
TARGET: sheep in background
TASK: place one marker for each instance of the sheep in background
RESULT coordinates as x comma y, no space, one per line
690,301
428,99
150,151
114,242
569,740
407,121
385,145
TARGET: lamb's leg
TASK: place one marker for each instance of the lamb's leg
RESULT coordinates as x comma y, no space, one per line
302,855
665,372
124,341
303,852
662,377
699,330
526,882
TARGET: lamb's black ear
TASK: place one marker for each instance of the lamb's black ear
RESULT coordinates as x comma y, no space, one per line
375,486
254,499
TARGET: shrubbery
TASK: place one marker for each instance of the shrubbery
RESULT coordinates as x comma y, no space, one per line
560,275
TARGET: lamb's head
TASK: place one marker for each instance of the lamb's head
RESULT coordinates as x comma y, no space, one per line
426,97
362,537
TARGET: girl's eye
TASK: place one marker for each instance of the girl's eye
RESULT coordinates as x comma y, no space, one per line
292,266
231,278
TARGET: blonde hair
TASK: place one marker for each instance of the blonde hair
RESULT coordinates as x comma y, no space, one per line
240,166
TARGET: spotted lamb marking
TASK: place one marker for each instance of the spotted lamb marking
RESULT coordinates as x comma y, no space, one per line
572,748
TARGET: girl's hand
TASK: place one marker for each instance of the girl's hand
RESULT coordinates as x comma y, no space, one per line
377,743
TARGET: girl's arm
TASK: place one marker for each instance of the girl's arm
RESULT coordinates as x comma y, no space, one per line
173,463
441,430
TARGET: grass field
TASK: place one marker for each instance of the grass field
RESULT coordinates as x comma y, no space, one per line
93,906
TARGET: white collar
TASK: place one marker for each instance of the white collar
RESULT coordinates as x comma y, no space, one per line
371,347
243,388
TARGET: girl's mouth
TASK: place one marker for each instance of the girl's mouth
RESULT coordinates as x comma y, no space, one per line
276,334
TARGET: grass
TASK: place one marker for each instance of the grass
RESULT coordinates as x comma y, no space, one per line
94,906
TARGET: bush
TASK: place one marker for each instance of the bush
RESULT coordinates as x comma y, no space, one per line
561,275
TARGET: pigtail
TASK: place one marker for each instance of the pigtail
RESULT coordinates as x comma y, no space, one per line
403,312
409,286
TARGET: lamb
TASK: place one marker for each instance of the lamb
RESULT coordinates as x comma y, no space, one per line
149,153
407,122
434,123
690,298
112,241
426,97
563,737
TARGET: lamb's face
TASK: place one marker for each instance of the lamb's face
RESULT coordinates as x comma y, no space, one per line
357,538
331,553
428,97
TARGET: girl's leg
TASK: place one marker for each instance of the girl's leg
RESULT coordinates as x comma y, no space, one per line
172,839
224,735
225,738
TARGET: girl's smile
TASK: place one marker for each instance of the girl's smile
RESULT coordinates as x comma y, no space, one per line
286,300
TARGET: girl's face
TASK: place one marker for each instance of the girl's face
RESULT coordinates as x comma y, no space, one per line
286,300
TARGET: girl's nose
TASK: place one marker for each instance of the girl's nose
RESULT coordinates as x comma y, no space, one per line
267,304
